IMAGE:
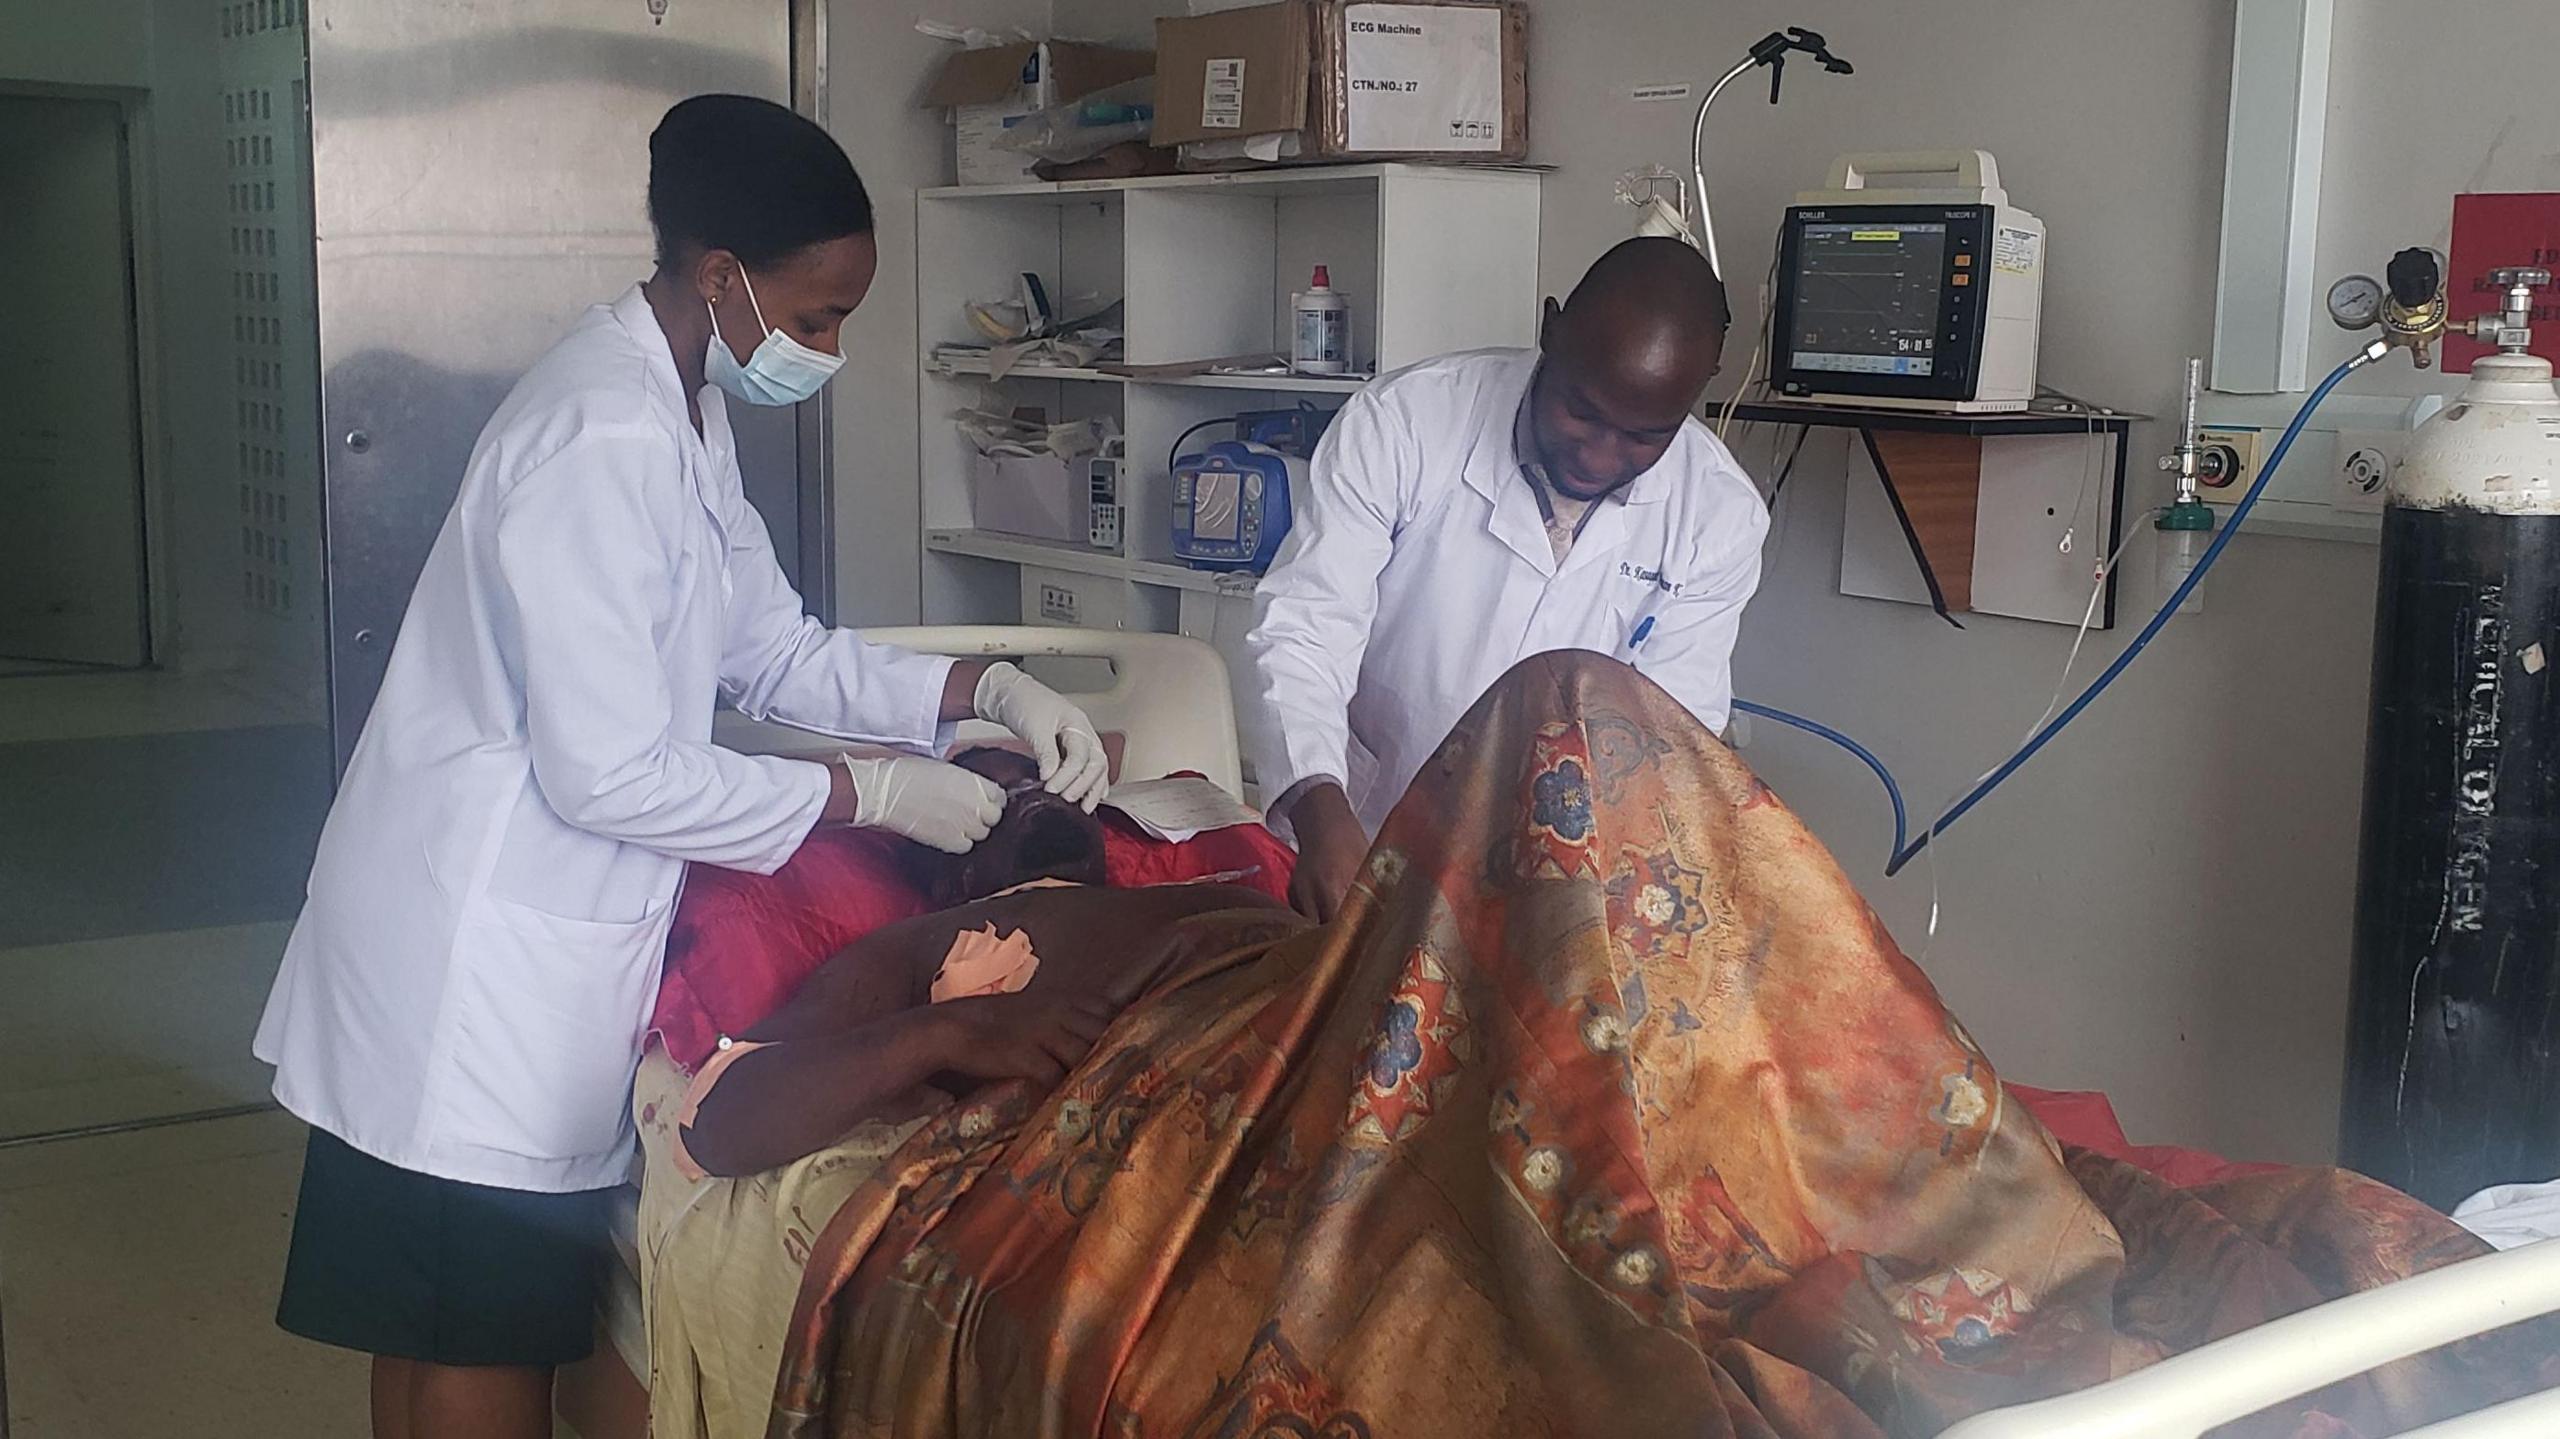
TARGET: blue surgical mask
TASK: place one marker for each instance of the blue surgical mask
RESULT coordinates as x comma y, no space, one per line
782,371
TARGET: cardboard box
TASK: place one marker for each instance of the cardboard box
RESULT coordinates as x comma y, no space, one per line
1351,79
1444,79
986,90
1041,496
1235,73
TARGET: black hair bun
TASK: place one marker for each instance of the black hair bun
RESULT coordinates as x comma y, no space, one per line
734,173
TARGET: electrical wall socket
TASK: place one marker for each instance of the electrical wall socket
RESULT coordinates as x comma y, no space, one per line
1059,605
2360,472
2242,442
2302,498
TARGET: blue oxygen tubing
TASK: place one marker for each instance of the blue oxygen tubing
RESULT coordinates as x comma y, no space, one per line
1901,818
1905,848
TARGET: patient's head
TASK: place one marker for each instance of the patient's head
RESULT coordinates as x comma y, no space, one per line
1040,837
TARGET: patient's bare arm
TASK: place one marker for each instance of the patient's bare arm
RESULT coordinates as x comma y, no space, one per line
859,1042
790,1099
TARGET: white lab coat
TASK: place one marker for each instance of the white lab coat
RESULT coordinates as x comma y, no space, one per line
1418,570
465,991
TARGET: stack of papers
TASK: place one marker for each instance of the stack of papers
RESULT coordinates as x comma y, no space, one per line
1180,807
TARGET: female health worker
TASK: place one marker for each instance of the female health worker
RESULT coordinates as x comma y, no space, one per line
461,1004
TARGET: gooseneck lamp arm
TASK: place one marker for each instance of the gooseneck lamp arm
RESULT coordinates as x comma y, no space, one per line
1771,50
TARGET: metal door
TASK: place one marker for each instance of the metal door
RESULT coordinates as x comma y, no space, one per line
480,176
71,565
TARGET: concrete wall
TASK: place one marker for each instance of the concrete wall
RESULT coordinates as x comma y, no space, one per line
1121,21
2425,101
2159,906
878,65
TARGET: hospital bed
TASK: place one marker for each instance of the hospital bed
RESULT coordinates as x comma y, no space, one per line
1169,699
1165,698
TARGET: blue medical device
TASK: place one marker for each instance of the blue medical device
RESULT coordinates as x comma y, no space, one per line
1231,505
1293,431
1232,499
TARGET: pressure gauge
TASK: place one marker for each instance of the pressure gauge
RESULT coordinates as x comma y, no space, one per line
2356,302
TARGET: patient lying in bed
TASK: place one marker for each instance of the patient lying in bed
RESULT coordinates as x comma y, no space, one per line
747,1159
1014,977
1606,1106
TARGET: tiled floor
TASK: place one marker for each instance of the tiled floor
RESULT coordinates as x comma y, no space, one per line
138,1271
137,1287
91,705
142,833
149,1024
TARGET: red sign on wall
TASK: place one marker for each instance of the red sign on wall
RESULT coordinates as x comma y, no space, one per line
2495,232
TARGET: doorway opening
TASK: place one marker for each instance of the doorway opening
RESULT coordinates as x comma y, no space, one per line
74,566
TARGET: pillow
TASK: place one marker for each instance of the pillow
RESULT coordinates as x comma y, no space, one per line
1244,854
741,943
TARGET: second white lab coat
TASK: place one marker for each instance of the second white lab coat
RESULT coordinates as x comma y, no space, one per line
1418,569
465,990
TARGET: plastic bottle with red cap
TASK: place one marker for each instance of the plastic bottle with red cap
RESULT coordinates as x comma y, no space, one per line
1320,338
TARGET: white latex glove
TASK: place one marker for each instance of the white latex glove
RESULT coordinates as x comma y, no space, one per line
1072,765
926,800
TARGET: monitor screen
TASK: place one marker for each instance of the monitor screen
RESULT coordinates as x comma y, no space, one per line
1868,297
1217,506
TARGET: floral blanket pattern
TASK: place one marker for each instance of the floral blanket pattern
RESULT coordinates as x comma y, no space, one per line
1607,1108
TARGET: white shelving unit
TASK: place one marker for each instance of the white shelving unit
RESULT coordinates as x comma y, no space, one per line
1432,259
1291,384
1081,560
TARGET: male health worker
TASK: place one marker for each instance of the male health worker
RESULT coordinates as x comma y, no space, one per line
1480,508
461,1003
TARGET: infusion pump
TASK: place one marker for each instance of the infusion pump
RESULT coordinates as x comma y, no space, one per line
1910,282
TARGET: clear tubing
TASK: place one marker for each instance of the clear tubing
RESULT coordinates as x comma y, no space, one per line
2168,607
1906,849
1892,790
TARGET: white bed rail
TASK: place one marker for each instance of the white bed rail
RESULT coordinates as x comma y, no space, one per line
2183,1396
1168,697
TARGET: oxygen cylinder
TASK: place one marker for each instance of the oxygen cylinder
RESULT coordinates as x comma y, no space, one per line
2453,1046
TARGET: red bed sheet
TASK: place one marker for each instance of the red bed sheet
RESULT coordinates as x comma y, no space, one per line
741,943
2084,1119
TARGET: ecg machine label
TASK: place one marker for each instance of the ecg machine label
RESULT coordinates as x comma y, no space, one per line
1222,95
2017,251
1422,78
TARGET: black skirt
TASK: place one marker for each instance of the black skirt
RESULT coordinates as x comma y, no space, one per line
405,1265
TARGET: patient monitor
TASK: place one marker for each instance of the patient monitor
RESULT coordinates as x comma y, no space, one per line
1911,281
